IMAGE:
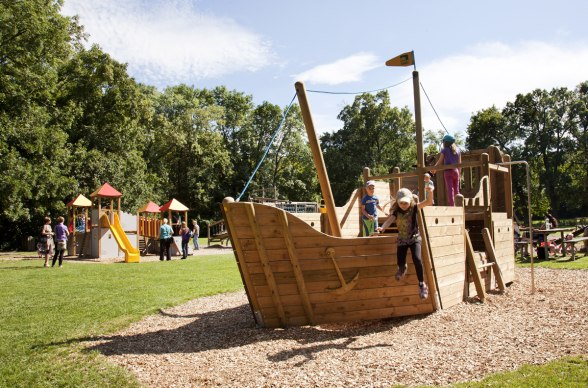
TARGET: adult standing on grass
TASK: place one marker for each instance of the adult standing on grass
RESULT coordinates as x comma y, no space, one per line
165,237
450,154
185,233
47,240
196,233
61,234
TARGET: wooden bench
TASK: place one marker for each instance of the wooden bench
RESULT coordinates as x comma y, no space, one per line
573,243
217,232
523,246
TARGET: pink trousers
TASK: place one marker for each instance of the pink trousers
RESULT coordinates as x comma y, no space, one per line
451,185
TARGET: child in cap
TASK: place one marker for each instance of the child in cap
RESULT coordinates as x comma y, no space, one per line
450,154
370,203
404,213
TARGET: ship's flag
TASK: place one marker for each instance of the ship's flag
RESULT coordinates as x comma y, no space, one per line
405,59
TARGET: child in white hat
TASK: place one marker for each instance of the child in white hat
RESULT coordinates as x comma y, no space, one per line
404,213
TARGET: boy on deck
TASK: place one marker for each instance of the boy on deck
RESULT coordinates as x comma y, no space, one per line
370,203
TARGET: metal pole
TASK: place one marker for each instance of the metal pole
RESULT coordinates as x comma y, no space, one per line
529,215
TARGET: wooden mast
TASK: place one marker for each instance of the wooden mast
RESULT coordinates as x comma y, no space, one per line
419,133
319,162
407,59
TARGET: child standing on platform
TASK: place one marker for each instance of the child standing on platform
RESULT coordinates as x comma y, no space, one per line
428,184
370,203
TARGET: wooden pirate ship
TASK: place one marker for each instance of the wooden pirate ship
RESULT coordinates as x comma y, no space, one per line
313,268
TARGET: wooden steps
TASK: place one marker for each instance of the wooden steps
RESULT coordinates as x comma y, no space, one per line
488,261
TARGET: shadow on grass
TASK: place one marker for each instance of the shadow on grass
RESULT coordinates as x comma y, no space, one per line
235,327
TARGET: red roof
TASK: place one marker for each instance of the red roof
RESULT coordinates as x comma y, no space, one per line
174,205
151,207
106,191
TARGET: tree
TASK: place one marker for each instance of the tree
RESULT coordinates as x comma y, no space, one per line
488,127
546,121
34,41
374,135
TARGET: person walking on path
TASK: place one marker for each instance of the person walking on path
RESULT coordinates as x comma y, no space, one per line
196,233
185,233
450,154
61,234
47,240
165,238
404,213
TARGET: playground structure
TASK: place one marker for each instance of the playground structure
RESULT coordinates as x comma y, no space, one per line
100,231
317,269
109,225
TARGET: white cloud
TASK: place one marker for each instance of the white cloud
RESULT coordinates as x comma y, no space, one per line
493,74
170,42
350,69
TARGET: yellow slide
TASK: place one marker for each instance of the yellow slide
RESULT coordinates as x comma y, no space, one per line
131,253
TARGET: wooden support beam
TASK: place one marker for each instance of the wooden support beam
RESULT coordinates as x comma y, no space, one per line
491,255
473,268
243,268
428,263
269,275
296,269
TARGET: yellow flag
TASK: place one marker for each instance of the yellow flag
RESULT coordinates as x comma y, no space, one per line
405,59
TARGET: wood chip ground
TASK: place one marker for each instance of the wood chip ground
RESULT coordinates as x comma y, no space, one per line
213,341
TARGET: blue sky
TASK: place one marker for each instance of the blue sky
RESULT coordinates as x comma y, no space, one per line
470,54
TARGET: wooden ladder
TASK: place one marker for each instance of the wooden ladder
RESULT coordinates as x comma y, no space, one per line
81,252
142,245
490,263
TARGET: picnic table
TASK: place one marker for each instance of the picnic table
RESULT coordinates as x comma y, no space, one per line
547,232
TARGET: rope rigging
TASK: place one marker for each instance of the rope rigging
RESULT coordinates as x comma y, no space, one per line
327,92
267,148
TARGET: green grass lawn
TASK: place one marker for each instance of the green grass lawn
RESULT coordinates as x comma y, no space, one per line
559,262
46,312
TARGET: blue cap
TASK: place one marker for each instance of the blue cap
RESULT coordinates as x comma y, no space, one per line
448,139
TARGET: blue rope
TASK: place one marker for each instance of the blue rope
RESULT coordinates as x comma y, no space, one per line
267,148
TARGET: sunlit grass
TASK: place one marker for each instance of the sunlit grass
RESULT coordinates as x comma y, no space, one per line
44,311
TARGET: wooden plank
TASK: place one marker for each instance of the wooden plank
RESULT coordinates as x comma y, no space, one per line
245,276
269,276
428,265
492,258
472,267
297,271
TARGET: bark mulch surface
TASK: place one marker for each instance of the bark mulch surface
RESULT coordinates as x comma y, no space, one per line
213,341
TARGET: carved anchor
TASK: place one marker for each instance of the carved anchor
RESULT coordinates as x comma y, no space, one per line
345,287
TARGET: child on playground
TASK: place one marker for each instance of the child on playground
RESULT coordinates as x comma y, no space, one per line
428,184
370,203
186,234
450,154
404,213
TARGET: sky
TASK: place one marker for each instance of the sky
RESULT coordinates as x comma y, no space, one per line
470,55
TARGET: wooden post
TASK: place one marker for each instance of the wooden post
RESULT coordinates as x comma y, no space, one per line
319,162
419,133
